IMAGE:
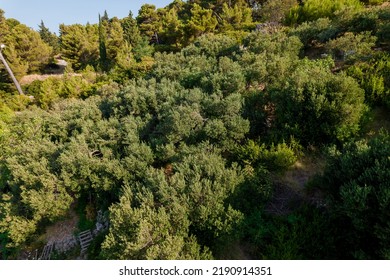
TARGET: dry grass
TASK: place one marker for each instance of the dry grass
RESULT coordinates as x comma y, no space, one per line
26,80
62,230
386,4
300,173
290,187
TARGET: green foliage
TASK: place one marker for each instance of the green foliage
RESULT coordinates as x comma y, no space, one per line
160,217
30,47
53,89
276,157
276,44
349,23
77,151
131,32
315,9
236,17
334,101
372,2
351,47
17,228
172,29
79,45
320,30
383,33
374,78
19,68
148,20
201,22
228,78
170,145
357,180
85,222
5,116
308,233
45,92
143,50
212,45
147,233
269,58
374,20
254,192
94,249
276,10
25,51
208,185
114,49
62,155
365,21
48,37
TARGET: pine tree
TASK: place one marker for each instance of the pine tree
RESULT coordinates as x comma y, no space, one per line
236,17
201,22
131,32
48,37
172,29
103,60
80,44
149,21
114,49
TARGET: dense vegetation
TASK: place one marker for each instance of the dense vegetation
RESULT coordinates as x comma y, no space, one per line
181,124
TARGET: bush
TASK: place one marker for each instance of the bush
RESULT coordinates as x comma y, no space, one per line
316,106
280,156
277,44
46,92
357,179
315,9
212,45
364,21
351,47
374,78
276,10
373,2
320,30
275,157
384,33
52,89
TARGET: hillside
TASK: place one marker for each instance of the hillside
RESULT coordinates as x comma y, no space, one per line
202,130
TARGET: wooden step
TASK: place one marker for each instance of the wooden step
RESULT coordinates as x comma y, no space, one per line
85,238
47,250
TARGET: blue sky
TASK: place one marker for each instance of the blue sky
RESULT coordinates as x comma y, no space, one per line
54,12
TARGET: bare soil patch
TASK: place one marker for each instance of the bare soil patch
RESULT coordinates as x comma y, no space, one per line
290,188
26,80
62,230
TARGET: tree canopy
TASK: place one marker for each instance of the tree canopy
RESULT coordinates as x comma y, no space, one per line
202,130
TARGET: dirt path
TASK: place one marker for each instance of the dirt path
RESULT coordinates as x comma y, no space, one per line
290,188
62,230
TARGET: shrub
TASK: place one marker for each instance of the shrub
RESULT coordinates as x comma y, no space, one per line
276,10
374,78
316,106
357,179
275,157
212,45
319,30
315,9
351,47
364,21
384,33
